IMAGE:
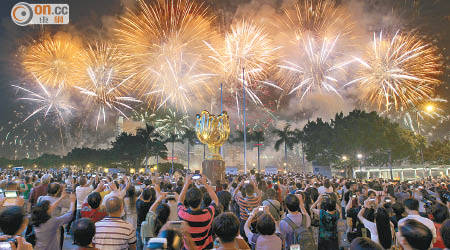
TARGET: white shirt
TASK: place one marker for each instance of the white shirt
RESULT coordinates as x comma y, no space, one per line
372,227
118,193
427,222
82,193
324,190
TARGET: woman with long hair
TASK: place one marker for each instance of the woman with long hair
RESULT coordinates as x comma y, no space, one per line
130,205
382,229
47,227
156,217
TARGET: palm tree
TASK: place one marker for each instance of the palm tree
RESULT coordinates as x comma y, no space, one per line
148,134
159,150
191,137
173,126
254,136
299,137
285,137
258,137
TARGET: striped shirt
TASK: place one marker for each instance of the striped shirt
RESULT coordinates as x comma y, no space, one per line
113,233
246,205
199,224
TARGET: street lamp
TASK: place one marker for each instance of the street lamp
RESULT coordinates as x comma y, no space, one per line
429,108
344,158
360,156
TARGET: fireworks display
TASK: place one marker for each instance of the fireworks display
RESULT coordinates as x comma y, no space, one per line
107,87
399,71
248,50
316,71
421,117
47,101
312,60
166,56
54,61
164,42
318,18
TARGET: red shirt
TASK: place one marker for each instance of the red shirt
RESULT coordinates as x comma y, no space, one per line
439,242
93,214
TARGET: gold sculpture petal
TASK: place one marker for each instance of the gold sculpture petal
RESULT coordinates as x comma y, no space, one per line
213,131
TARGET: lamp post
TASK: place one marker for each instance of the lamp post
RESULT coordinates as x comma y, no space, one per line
428,108
360,156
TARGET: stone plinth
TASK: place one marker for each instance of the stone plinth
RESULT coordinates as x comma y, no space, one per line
214,170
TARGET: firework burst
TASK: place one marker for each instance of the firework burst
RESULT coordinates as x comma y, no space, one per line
107,85
247,46
316,71
318,18
54,61
47,101
164,42
399,71
422,117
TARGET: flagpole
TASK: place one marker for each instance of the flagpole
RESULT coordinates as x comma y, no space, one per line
245,125
221,111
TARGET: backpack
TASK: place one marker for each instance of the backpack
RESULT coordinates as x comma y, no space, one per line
254,239
302,236
148,226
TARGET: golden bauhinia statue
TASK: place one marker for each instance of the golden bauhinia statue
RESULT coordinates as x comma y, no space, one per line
213,131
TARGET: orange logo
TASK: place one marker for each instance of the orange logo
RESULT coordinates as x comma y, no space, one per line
22,13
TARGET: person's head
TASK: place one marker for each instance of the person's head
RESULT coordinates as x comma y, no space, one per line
94,200
292,203
194,197
114,185
114,206
271,193
353,186
45,180
414,235
383,224
249,189
13,220
371,194
146,194
362,243
398,209
226,227
53,189
326,183
83,230
83,180
40,213
162,214
328,204
445,233
440,213
411,204
265,225
224,186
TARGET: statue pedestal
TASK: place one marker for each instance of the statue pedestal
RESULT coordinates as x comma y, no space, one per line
214,170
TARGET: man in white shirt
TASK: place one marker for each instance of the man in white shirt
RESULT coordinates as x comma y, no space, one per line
326,188
82,192
412,208
115,191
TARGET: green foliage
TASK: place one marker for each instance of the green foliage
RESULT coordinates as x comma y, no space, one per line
438,152
359,132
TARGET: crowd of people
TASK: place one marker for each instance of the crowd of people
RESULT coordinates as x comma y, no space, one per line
101,211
